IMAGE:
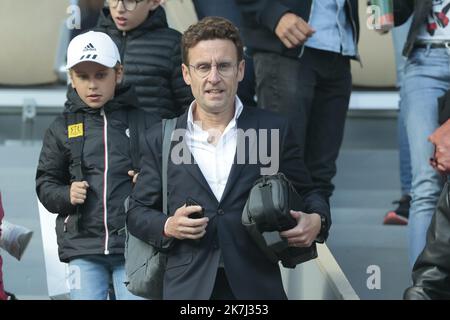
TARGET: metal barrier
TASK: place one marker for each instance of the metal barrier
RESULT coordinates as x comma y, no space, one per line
318,279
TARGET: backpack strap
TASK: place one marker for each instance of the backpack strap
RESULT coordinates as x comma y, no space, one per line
75,134
168,126
135,125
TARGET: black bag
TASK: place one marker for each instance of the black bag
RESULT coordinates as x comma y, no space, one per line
267,212
144,264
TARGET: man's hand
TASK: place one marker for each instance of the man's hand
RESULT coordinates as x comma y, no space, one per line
180,226
78,192
133,175
306,230
441,140
293,30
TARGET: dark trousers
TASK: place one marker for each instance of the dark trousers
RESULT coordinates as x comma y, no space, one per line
229,10
222,289
314,92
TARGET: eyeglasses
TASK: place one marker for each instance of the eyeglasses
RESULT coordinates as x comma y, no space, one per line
129,5
225,69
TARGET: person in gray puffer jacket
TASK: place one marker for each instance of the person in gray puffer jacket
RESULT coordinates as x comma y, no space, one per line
150,53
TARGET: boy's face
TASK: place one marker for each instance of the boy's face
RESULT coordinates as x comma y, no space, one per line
95,83
128,20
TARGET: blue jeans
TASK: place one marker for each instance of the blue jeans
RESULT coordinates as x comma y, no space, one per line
399,38
90,275
427,77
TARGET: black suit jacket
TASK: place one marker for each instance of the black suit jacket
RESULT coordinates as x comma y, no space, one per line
192,265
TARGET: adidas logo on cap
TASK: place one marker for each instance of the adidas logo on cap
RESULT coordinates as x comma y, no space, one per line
89,47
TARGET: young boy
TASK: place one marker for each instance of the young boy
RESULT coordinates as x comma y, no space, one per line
90,208
150,53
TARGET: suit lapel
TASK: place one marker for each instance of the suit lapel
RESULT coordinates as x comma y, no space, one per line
244,122
192,168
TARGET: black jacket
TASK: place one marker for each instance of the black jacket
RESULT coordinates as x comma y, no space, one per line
192,265
431,272
260,18
403,9
151,55
97,232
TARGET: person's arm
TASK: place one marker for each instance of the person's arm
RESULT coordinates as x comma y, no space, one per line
291,29
293,166
441,140
181,92
145,219
52,175
403,9
262,12
431,272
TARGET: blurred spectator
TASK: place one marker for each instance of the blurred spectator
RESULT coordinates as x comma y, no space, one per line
150,53
400,215
3,295
90,11
431,271
302,58
427,77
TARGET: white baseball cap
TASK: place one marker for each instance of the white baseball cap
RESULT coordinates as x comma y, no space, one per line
92,46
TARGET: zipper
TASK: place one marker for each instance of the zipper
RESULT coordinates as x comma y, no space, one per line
105,180
309,19
124,44
358,57
66,220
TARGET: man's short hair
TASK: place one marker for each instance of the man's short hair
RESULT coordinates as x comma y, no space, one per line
211,28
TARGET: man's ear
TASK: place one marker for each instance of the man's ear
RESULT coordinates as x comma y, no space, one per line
119,74
241,70
186,74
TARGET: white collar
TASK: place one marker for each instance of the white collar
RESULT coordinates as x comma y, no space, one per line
238,107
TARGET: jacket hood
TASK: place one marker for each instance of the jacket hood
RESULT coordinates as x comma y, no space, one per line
124,97
156,19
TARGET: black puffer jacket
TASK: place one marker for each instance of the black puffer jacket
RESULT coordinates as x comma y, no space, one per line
104,166
151,56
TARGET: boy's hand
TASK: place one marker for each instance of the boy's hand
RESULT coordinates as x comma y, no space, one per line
133,174
78,192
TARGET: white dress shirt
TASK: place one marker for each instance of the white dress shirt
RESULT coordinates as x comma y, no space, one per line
214,159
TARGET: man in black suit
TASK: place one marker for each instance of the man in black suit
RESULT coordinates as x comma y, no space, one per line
210,162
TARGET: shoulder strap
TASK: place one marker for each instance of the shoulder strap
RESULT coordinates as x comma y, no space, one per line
168,125
75,134
134,127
